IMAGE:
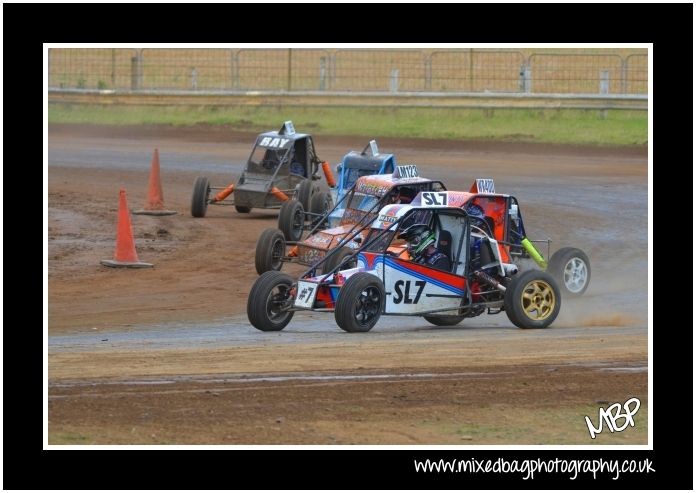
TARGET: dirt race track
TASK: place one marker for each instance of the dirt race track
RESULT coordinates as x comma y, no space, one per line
166,355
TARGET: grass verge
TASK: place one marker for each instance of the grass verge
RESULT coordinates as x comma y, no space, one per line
586,127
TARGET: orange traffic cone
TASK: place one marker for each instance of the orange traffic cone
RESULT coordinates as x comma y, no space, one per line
125,255
154,206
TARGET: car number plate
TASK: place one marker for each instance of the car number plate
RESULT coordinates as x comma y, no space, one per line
306,293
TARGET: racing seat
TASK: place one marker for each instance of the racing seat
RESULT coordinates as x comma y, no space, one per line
444,244
297,168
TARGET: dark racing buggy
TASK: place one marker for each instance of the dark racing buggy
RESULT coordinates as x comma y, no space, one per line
358,209
282,165
482,279
294,218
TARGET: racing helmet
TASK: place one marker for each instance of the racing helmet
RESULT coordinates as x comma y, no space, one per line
479,219
419,237
475,212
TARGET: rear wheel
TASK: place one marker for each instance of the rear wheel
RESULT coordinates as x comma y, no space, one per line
305,192
243,209
270,250
532,300
269,300
360,303
339,259
571,269
199,198
291,220
444,320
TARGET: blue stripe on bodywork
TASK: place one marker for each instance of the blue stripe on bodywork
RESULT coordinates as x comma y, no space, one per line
418,275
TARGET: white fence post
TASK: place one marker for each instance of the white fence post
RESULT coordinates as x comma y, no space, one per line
394,80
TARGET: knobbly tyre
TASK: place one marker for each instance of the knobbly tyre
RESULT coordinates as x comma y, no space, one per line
385,281
500,215
281,165
362,203
294,218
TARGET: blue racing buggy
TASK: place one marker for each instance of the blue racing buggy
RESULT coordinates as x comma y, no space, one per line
295,216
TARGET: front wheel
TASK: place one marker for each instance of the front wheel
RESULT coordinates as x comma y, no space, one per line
360,303
199,198
339,258
242,209
532,300
269,300
571,269
270,250
291,220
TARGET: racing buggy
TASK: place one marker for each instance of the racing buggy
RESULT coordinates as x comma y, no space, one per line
387,281
500,216
294,218
359,208
281,165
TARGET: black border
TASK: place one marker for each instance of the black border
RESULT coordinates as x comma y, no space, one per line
668,26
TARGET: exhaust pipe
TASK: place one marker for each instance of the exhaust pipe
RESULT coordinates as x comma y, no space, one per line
489,280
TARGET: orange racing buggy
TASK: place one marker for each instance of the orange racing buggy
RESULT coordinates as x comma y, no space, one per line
500,216
361,205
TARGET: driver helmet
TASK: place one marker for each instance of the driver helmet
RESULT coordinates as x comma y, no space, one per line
419,237
476,212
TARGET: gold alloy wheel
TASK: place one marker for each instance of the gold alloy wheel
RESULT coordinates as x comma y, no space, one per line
538,300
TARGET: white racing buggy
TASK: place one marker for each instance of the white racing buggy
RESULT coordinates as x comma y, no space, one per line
388,281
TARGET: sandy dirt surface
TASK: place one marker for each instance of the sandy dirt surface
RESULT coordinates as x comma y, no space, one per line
499,405
161,355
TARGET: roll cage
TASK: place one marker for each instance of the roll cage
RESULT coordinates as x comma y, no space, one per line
378,240
356,165
285,151
365,217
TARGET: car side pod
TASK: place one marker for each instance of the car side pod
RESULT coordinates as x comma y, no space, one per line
223,194
330,180
279,194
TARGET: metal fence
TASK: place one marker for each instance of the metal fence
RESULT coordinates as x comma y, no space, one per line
348,70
